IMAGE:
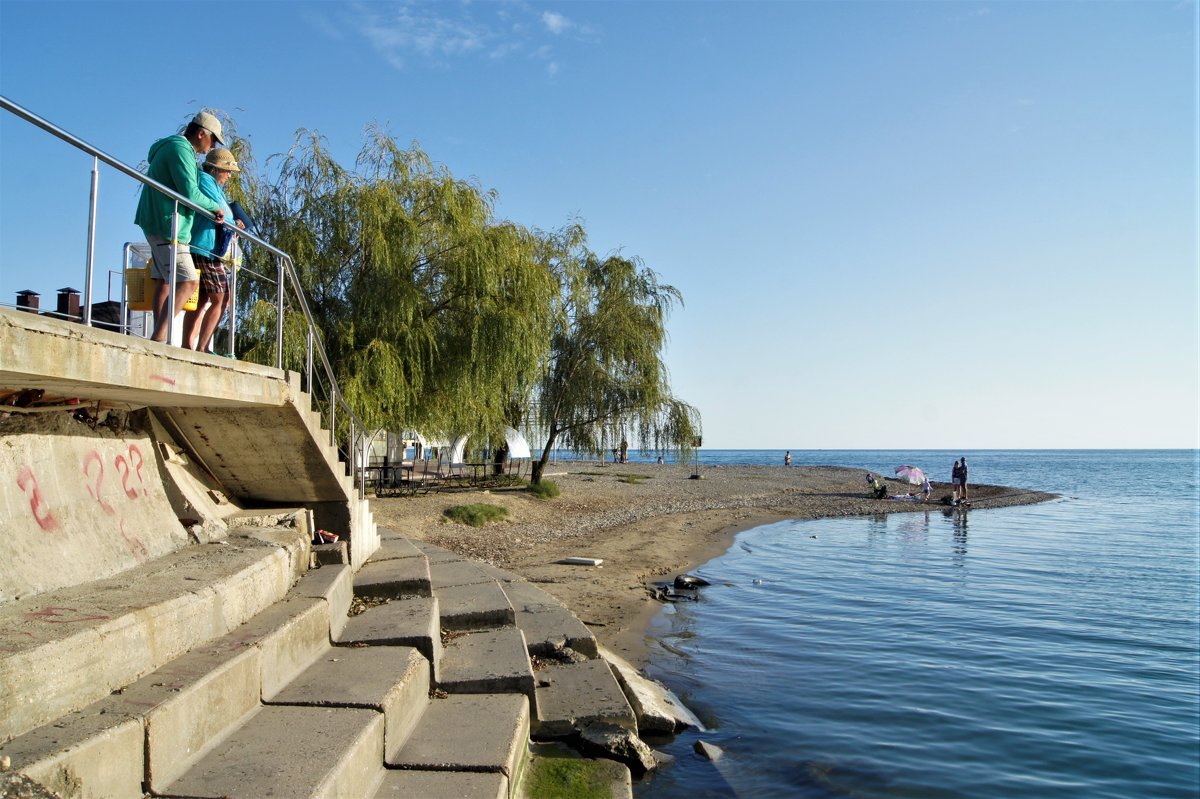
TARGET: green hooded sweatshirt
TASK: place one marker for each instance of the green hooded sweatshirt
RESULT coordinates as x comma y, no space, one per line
173,164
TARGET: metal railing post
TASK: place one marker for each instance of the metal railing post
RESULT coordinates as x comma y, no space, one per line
308,364
279,314
91,243
235,250
170,309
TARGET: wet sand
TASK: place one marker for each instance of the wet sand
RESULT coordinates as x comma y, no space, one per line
648,523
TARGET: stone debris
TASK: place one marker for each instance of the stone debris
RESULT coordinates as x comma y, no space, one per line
620,744
708,751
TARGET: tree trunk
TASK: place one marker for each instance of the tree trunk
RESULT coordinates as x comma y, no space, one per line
535,475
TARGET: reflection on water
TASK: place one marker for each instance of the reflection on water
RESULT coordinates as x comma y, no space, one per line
1050,652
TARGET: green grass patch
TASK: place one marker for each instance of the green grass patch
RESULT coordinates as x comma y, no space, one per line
564,778
547,489
476,515
634,479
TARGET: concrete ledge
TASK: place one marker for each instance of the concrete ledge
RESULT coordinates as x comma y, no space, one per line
294,752
485,732
103,753
291,634
393,680
56,650
335,585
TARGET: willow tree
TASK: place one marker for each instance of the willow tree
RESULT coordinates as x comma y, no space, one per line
604,375
430,309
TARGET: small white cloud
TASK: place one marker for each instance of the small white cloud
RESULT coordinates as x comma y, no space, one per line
556,23
552,68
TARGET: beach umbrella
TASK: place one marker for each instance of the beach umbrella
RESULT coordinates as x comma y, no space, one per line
910,473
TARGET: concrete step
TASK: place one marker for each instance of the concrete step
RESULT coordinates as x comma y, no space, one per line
474,607
292,752
63,650
546,622
333,583
478,733
446,573
401,622
155,728
404,784
393,680
487,662
573,695
395,577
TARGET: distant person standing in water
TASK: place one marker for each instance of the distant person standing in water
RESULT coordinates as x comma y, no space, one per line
956,479
962,473
787,458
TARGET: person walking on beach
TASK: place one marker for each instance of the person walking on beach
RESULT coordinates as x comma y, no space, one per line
173,164
787,458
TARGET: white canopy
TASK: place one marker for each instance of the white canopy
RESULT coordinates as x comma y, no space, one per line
518,447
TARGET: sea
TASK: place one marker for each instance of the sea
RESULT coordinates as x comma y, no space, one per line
1050,650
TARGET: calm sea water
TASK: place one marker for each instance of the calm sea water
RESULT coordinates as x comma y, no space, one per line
1042,651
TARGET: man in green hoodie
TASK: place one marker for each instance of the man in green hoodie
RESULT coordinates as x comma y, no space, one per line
173,164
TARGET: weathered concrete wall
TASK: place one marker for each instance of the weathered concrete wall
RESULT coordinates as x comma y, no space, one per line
77,504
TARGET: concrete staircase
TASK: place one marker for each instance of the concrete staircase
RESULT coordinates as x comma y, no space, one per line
424,686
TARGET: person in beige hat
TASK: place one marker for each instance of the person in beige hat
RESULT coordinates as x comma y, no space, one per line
209,245
173,163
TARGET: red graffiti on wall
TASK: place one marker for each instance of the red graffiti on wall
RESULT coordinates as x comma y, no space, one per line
96,483
27,482
53,614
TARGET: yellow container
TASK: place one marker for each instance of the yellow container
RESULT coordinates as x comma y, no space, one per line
139,287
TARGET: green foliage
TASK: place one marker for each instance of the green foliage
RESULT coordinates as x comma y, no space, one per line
432,311
476,515
605,372
544,489
566,778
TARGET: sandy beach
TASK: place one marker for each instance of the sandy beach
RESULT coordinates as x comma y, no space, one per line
648,523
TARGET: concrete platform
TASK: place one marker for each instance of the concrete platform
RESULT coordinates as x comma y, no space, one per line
474,607
392,547
492,661
576,694
292,752
486,732
403,622
393,680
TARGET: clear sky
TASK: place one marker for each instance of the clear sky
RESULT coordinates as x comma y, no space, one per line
894,224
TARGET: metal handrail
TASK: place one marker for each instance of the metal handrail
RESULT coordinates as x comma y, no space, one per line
286,265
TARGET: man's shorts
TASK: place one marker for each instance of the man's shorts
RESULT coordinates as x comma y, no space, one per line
213,277
160,249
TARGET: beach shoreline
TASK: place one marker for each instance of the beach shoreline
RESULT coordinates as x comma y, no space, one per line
648,523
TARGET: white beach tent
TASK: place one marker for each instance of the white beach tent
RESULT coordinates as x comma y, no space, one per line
518,447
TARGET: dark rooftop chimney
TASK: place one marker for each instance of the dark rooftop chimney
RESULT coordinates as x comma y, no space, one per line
28,301
68,303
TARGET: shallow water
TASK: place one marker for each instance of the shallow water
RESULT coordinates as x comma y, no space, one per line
1047,650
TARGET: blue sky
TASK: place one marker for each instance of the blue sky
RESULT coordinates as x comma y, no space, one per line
894,225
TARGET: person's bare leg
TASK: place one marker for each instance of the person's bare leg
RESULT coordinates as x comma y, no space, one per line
183,293
161,295
192,321
212,318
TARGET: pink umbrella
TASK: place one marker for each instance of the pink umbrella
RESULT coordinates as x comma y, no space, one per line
911,473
